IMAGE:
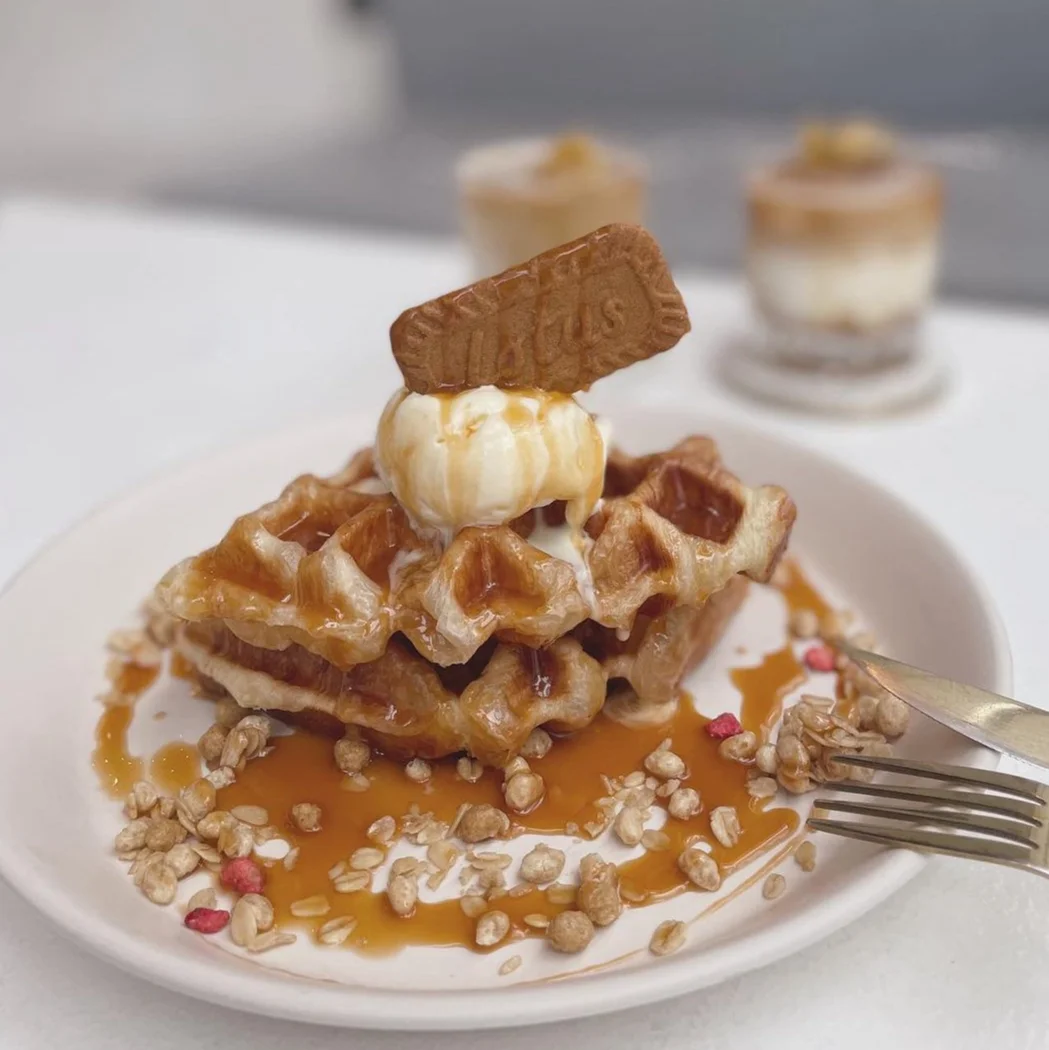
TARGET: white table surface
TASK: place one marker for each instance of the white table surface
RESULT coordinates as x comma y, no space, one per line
129,342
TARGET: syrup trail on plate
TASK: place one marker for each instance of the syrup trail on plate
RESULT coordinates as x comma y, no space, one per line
117,770
301,768
171,768
764,687
798,592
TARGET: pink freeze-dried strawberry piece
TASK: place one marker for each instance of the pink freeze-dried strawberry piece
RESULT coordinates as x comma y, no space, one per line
207,920
724,726
819,658
243,875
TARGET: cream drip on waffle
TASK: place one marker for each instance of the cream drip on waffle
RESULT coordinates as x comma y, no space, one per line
486,456
569,545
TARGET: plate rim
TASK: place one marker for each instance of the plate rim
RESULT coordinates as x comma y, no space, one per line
290,997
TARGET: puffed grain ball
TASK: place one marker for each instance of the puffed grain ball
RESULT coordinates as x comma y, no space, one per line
892,716
684,804
537,745
542,864
523,791
665,764
483,822
352,754
418,770
599,899
569,932
210,745
306,816
700,868
491,928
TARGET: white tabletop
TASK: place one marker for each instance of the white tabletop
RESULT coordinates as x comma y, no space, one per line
131,341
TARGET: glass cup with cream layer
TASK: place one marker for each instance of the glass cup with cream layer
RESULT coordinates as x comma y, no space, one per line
523,196
841,263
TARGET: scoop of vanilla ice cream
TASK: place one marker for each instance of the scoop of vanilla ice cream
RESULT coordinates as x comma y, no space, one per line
485,456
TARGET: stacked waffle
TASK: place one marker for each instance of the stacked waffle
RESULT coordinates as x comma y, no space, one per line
334,606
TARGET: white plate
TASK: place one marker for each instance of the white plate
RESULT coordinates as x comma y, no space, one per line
871,553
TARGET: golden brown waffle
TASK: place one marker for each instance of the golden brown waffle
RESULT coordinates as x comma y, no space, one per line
404,703
683,528
486,707
327,608
334,566
645,670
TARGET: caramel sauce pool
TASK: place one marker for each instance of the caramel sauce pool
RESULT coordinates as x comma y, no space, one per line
174,766
301,768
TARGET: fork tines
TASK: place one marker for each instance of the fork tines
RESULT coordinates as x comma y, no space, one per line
979,813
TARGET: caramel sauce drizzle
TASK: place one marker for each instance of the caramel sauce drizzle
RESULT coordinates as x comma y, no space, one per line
171,768
117,769
300,768
546,470
764,687
798,592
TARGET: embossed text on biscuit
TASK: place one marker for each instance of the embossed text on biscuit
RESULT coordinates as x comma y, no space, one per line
558,322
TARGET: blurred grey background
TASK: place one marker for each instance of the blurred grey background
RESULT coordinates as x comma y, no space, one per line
956,61
352,113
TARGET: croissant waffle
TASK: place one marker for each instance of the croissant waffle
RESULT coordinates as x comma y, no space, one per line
327,607
645,670
338,569
402,701
682,531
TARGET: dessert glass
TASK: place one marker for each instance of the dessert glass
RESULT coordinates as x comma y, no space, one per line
520,197
841,264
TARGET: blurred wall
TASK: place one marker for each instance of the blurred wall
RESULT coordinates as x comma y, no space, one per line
104,93
945,61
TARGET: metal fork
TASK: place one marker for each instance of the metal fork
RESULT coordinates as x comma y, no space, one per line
978,814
